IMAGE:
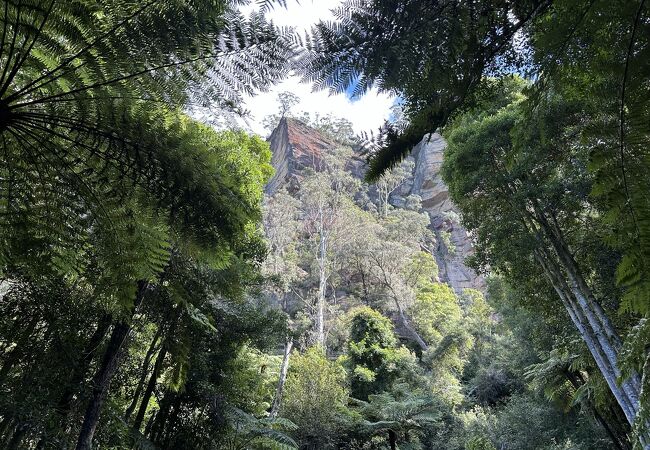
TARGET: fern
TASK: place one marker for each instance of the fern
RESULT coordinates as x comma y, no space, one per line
265,433
89,100
431,54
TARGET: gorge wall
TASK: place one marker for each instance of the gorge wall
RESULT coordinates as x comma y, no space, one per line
296,147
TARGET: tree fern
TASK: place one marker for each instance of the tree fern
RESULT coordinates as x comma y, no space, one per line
431,54
249,431
89,99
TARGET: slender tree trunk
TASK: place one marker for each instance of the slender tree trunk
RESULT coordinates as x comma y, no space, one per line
158,427
598,321
577,317
81,367
406,322
392,439
143,375
618,443
150,422
606,358
104,375
322,289
150,387
277,400
412,331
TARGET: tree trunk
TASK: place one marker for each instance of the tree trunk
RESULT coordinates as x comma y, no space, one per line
322,290
150,387
392,439
406,323
143,375
414,334
81,368
616,440
577,317
590,328
277,400
158,427
599,323
104,375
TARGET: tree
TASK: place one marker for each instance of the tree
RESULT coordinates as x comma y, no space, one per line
374,358
281,265
399,268
436,311
315,398
437,59
147,254
323,197
391,181
401,416
542,217
90,93
433,57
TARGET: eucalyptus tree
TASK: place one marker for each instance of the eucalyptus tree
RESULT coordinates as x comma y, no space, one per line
282,232
391,181
523,190
324,196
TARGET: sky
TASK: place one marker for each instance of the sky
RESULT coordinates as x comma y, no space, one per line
366,113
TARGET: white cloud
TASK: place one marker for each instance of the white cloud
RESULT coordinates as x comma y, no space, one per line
366,113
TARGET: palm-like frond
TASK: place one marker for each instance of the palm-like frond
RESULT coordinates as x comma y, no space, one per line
90,94
432,54
266,432
398,412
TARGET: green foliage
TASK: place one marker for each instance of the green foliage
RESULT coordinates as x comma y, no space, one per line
402,414
248,432
315,399
587,113
436,311
90,94
479,443
144,220
434,57
374,359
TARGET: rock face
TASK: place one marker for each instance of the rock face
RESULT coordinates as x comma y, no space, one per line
297,147
454,244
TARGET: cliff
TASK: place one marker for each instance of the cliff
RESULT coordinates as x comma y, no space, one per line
454,243
296,147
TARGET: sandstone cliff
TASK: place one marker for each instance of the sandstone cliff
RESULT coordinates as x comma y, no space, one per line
454,244
296,147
